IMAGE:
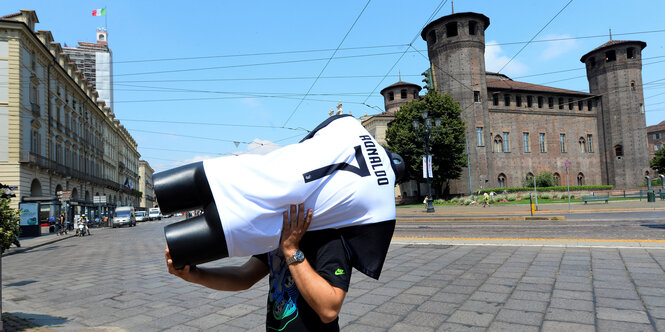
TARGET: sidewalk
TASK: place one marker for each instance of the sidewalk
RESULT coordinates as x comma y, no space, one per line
28,243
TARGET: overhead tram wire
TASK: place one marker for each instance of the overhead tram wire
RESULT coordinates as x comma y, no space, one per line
327,63
212,124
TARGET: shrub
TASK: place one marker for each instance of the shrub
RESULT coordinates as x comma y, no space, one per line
467,201
511,197
455,200
9,224
545,196
555,188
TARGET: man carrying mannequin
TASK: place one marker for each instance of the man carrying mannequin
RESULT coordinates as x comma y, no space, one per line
309,276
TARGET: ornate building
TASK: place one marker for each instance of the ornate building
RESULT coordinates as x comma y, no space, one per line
56,135
517,129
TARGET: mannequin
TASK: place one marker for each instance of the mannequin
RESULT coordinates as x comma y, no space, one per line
338,170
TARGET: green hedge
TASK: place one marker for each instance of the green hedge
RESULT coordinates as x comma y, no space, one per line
556,188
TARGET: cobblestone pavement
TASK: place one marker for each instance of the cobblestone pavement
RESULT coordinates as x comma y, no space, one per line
116,280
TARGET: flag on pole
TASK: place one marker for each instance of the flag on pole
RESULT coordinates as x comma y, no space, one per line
429,167
424,167
99,12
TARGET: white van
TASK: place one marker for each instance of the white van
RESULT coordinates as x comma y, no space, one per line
124,215
155,214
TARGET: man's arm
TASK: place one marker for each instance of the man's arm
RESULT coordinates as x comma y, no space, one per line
324,298
226,278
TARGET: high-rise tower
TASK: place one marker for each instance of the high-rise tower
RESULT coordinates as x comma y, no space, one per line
456,49
614,71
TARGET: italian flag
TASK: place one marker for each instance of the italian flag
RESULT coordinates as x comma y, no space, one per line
99,12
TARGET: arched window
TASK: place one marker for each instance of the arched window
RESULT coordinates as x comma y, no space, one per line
403,93
557,179
501,180
35,188
618,150
646,173
580,179
391,95
498,144
529,178
58,188
75,194
582,143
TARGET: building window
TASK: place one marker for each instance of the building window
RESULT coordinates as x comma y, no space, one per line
630,53
451,29
506,100
476,96
618,150
541,139
580,179
589,105
525,142
498,144
518,101
495,99
391,96
529,101
34,99
529,177
580,105
657,147
642,108
540,102
657,136
632,85
479,136
550,102
582,144
610,56
473,27
402,93
560,103
557,179
570,104
589,142
506,142
33,61
431,37
501,180
562,141
34,142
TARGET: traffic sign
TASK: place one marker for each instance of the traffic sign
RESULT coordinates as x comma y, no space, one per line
567,163
64,195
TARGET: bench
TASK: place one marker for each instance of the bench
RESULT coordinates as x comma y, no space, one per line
589,198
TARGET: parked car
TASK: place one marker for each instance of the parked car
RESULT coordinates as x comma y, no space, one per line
155,214
124,215
141,216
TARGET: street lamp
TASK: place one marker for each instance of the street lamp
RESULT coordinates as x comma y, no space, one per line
427,130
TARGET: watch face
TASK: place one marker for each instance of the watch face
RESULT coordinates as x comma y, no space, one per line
299,256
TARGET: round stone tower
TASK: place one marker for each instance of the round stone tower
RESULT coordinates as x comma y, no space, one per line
398,94
456,50
614,71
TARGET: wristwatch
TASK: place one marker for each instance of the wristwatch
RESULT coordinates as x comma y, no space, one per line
297,257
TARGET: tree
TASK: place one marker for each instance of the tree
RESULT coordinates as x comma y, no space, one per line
447,141
543,179
9,224
658,161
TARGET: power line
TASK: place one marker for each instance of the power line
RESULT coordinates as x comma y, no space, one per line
327,63
213,124
534,36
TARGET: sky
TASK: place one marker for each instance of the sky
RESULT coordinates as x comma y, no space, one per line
203,79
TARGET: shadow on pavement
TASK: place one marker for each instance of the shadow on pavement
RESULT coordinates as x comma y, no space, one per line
19,321
660,226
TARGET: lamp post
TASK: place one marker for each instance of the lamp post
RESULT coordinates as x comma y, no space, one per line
427,130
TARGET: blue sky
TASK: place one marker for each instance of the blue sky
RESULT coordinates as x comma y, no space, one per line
237,71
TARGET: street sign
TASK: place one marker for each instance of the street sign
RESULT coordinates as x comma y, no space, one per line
99,199
567,163
64,195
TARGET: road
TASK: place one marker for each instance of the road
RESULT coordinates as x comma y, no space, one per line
116,280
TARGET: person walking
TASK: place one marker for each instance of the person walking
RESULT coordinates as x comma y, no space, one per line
486,200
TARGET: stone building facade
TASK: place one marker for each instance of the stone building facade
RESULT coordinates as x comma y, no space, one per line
146,187
517,129
655,138
55,133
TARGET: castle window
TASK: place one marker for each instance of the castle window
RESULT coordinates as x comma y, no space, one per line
431,37
518,101
589,141
506,100
529,177
451,29
525,142
582,144
101,37
529,101
495,99
642,108
540,102
557,179
618,150
415,94
402,93
610,56
473,26
391,96
476,96
657,136
562,142
506,142
479,136
570,104
632,85
592,62
541,139
580,105
550,102
580,179
560,103
501,180
498,144
589,104
630,53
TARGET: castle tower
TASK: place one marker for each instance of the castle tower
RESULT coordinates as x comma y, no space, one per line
456,50
398,94
614,71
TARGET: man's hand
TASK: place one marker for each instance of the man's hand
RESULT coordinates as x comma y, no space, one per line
293,228
186,273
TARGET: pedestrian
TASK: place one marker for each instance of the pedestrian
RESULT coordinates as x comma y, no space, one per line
61,225
425,201
486,200
309,276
